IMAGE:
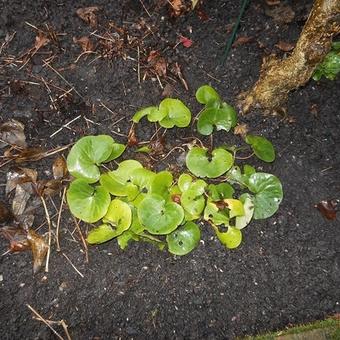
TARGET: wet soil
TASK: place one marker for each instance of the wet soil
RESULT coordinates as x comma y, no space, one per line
287,269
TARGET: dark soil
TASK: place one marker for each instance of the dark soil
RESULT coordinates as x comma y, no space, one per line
287,269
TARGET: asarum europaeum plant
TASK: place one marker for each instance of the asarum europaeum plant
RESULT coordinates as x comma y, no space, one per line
132,203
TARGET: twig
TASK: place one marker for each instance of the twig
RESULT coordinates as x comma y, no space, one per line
58,220
170,152
246,157
74,267
45,322
108,109
49,233
62,77
64,126
138,65
82,240
147,12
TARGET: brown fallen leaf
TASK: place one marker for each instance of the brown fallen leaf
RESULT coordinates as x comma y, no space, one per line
39,249
41,40
12,133
241,129
285,46
132,138
23,193
328,208
273,2
157,62
176,7
48,187
281,14
17,238
18,176
59,168
88,15
242,40
24,155
168,91
85,43
157,146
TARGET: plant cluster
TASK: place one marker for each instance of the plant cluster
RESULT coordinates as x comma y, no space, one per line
330,66
135,203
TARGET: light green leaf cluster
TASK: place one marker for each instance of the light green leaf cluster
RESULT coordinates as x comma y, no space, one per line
133,203
330,66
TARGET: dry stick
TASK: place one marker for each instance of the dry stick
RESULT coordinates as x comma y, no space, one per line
65,126
62,77
74,267
58,220
147,12
49,233
82,240
44,321
138,65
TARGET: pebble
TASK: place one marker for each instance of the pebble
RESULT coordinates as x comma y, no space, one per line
1,277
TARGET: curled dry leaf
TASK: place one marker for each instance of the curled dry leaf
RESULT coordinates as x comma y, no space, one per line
132,138
59,168
12,133
273,2
328,208
242,41
17,238
88,15
177,7
41,40
157,62
285,46
25,155
48,187
85,43
241,129
18,176
168,91
157,146
21,240
39,249
23,193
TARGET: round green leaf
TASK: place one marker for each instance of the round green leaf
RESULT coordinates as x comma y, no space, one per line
198,163
207,95
117,151
218,192
159,216
262,147
235,206
161,183
223,118
119,215
214,215
268,194
152,112
175,113
100,234
192,200
231,239
88,203
142,178
184,182
87,154
248,205
184,239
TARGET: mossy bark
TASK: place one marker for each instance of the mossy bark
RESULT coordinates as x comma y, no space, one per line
279,77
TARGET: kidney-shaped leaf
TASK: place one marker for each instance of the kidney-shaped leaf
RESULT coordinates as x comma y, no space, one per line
198,163
175,113
101,234
215,215
87,154
268,194
159,216
223,118
193,200
88,203
231,239
248,205
119,215
184,239
218,192
262,147
152,113
207,95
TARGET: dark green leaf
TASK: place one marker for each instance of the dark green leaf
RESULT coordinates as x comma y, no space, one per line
262,147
